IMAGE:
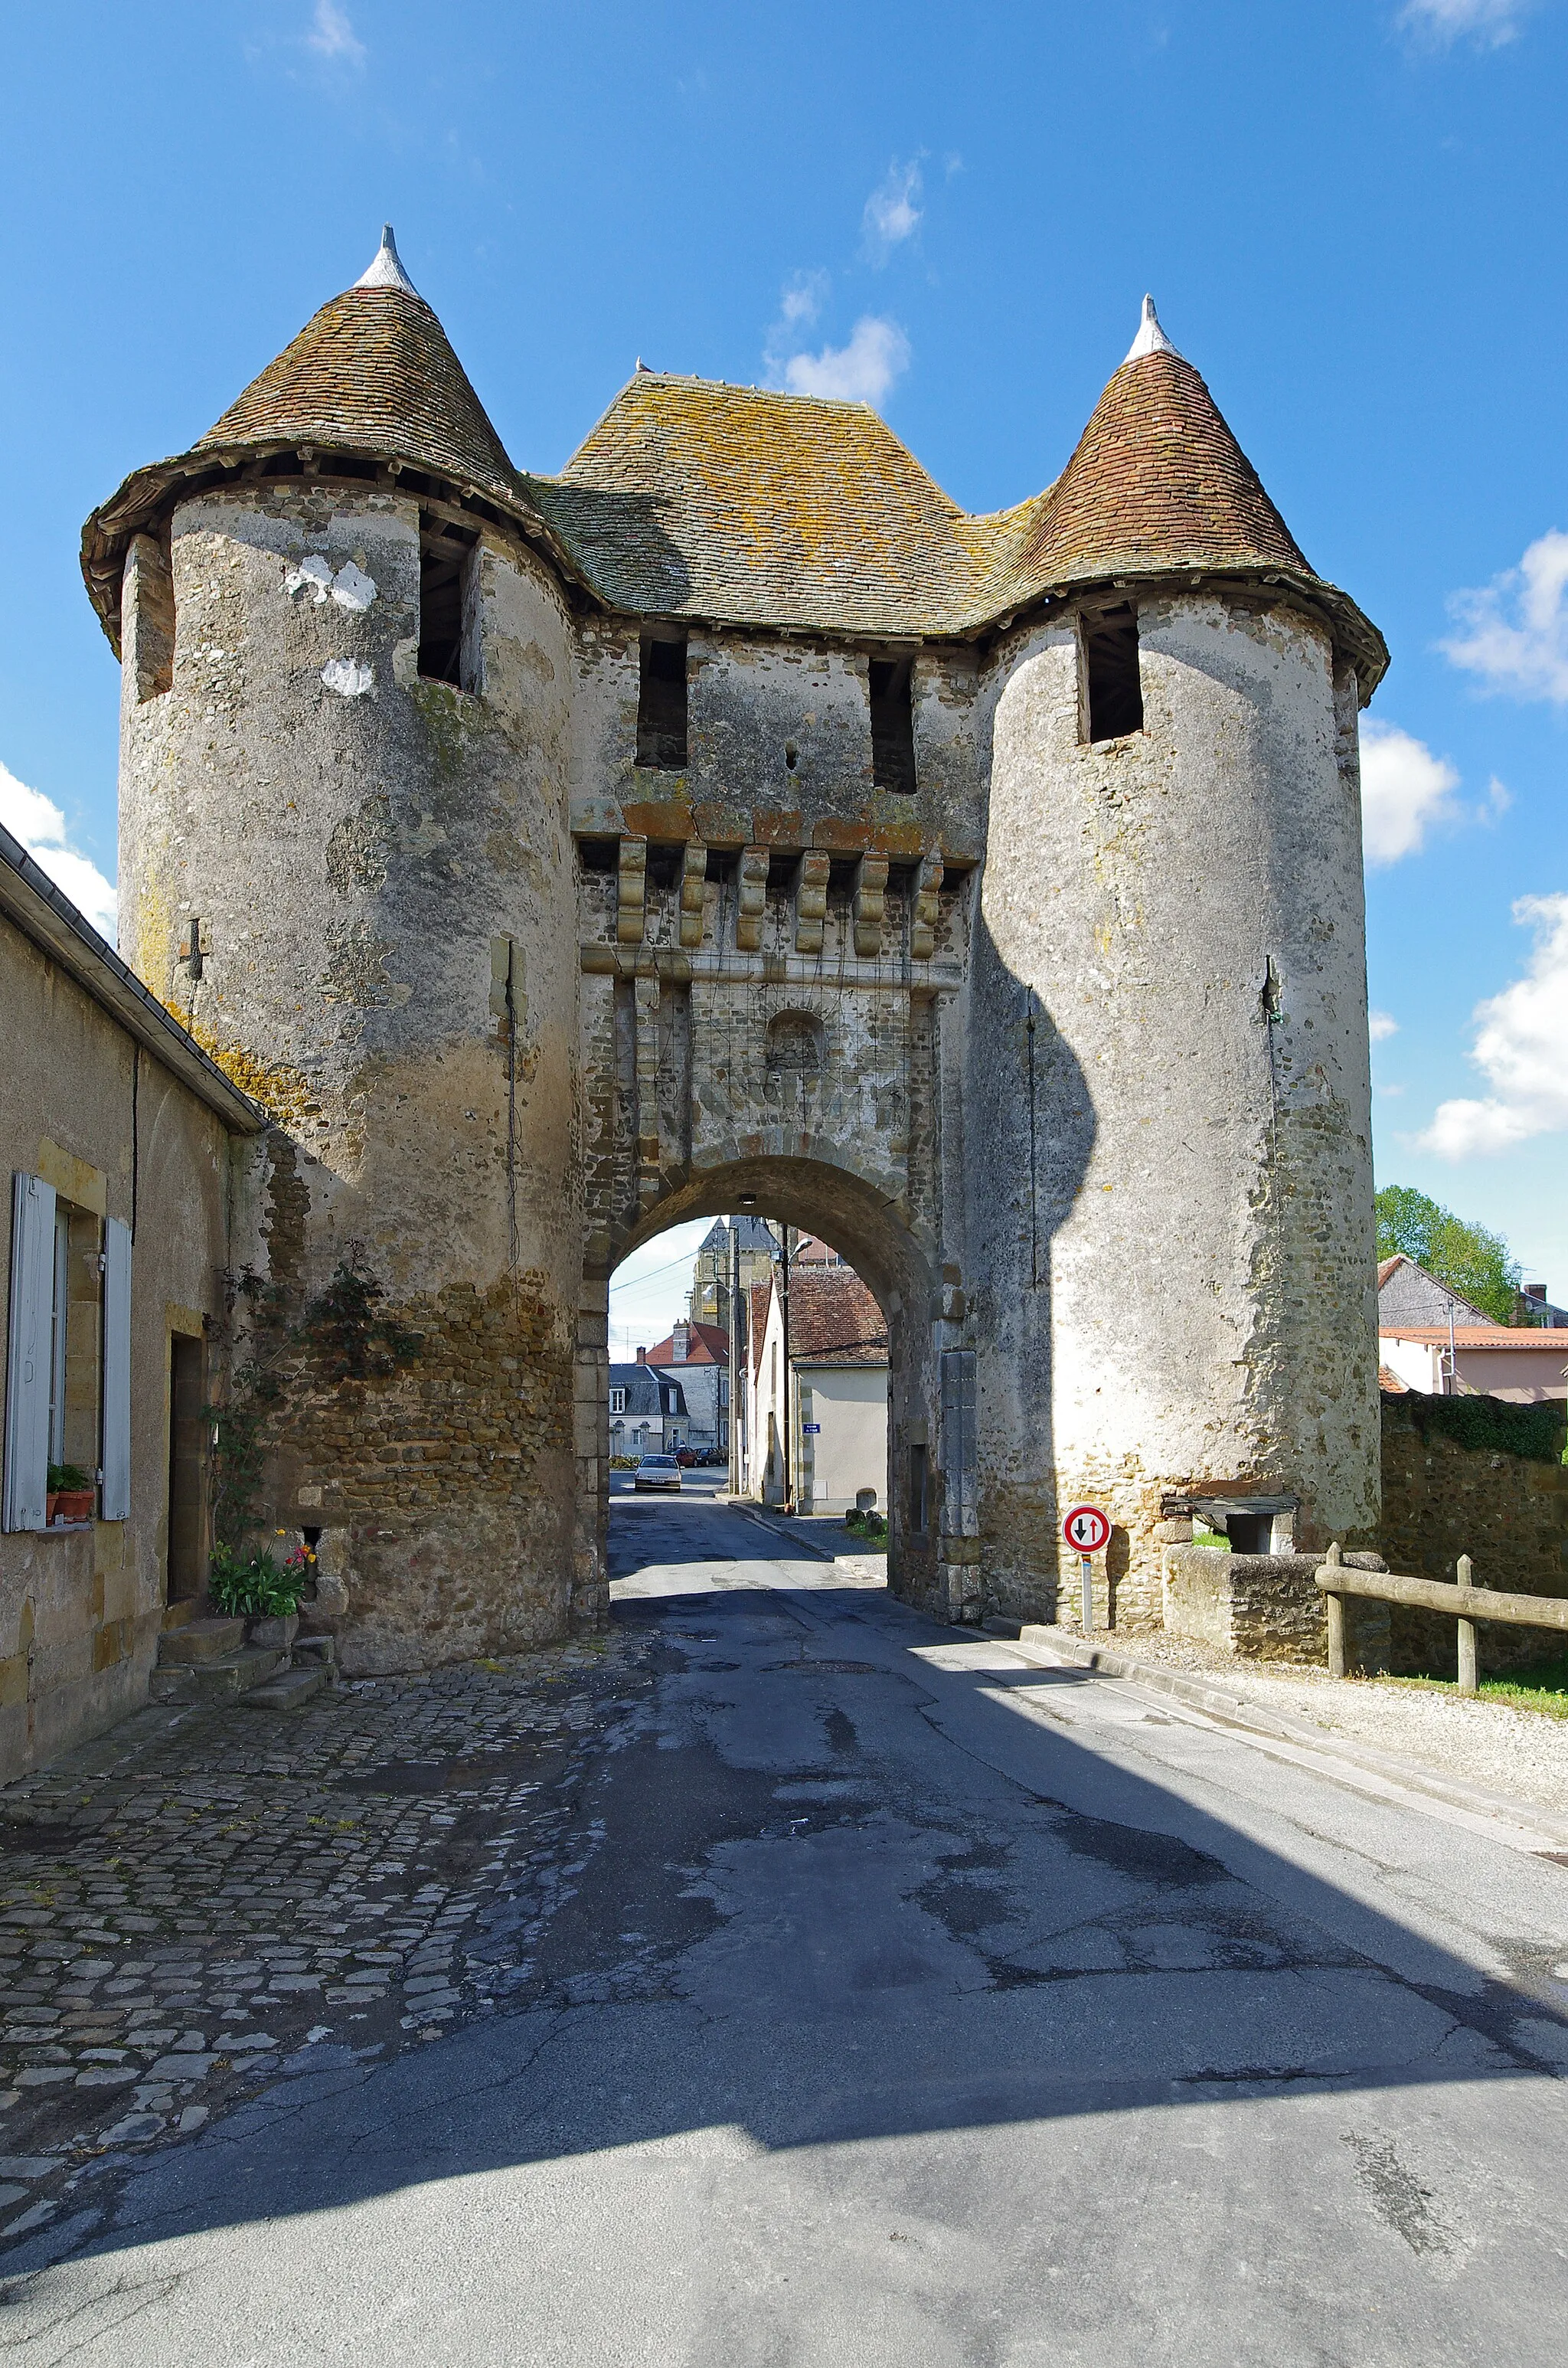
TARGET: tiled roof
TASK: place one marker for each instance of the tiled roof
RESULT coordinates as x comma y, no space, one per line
1157,482
694,497
372,371
748,506
709,1345
1386,1266
760,1295
834,1319
1481,1336
1388,1381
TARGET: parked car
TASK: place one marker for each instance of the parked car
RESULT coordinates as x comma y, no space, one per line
686,1456
657,1472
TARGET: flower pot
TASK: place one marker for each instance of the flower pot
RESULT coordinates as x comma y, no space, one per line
74,1504
52,1506
277,1634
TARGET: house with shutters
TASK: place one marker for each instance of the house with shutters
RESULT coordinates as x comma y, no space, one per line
648,1413
120,1135
834,1415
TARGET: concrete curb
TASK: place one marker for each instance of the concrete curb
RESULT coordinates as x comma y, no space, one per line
797,1537
1033,1643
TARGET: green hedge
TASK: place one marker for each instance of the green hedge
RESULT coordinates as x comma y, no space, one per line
1492,1425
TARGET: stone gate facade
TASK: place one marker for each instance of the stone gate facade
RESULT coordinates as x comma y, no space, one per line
731,821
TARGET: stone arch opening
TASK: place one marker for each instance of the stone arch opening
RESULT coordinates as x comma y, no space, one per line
873,1234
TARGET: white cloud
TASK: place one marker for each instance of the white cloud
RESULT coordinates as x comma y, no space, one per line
1516,635
1521,1045
803,300
1487,23
332,35
1381,1025
39,823
893,211
861,371
1404,790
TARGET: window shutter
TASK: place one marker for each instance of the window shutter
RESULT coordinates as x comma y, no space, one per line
116,1372
28,1353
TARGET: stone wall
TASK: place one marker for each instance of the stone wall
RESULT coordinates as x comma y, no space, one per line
1442,1498
1268,1607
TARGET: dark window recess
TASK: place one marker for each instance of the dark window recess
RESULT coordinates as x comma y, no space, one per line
149,628
1113,692
661,707
447,557
893,724
919,1471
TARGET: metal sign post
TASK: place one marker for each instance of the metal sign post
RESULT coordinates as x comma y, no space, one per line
1087,1532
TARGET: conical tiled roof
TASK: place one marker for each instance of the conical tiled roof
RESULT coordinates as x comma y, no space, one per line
373,370
1157,484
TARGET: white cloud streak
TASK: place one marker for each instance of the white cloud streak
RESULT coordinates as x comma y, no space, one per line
894,209
861,371
1521,1046
1404,790
803,300
1381,1025
39,824
1488,24
1514,634
332,35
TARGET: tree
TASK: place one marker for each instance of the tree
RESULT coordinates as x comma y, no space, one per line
1467,1258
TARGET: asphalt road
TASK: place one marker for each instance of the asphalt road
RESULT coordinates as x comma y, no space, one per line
909,2004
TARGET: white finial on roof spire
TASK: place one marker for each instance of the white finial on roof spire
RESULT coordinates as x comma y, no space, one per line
387,271
1151,337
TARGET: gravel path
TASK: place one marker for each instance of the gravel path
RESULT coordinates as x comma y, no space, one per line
1519,1752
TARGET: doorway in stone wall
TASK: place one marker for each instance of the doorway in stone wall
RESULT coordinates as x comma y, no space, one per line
187,1540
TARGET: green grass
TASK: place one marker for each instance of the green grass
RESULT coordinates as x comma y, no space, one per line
1544,1689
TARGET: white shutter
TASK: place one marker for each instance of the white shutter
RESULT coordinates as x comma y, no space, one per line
28,1353
116,1372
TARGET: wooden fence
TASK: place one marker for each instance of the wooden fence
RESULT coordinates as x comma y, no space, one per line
1467,1602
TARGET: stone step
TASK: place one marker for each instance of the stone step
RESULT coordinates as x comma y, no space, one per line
200,1640
217,1680
291,1690
316,1651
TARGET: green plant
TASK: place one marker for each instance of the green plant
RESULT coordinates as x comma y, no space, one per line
871,1526
254,1586
1476,1263
1214,1539
68,1476
1534,1432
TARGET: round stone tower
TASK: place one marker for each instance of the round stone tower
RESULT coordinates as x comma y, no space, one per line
345,865
1167,1024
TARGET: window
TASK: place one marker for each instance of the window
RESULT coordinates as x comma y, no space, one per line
147,615
68,1353
919,1470
617,1401
893,724
448,603
1112,693
661,705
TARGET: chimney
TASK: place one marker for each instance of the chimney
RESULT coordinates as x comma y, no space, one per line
1532,1303
641,1356
682,1344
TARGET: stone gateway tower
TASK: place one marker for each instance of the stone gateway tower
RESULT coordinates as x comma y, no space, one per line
732,822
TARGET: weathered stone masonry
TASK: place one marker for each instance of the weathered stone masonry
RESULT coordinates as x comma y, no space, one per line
729,821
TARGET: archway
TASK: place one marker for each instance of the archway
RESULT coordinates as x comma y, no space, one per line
823,1198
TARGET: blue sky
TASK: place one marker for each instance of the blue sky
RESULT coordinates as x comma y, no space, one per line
1351,216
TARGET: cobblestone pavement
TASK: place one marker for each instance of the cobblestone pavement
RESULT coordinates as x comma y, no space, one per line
206,1900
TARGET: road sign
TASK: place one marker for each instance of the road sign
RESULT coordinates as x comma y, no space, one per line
811,1426
1086,1529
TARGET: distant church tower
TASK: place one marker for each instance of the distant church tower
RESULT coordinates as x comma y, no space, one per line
731,823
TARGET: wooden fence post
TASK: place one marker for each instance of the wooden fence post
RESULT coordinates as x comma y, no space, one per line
1467,1634
1336,1604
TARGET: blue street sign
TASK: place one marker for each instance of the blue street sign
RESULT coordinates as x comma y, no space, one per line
811,1426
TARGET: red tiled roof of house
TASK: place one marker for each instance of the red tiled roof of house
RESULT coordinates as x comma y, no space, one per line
834,1319
709,1345
1484,1336
761,1292
1389,1380
1387,1266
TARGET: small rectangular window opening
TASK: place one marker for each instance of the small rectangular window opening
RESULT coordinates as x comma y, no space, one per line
448,601
1113,690
893,724
148,631
919,1468
662,705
